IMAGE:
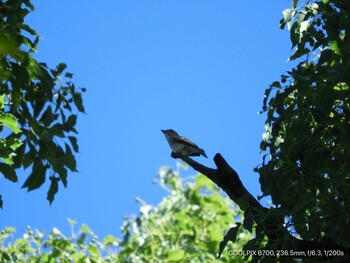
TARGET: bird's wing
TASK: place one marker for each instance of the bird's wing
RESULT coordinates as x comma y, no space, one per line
185,141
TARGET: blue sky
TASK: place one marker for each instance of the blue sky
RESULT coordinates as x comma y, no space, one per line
199,67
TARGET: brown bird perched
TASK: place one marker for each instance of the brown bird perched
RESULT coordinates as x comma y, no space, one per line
182,145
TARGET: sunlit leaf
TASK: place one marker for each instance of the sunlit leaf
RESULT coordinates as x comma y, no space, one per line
110,240
176,255
85,228
9,121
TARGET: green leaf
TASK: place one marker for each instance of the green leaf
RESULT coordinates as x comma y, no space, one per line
78,101
231,235
60,68
48,117
81,239
287,16
202,181
62,172
29,158
8,172
68,75
53,189
294,3
176,255
299,53
334,46
18,158
326,56
78,257
86,229
14,143
109,240
37,177
4,255
294,34
69,159
10,121
72,222
20,73
215,232
2,102
7,231
28,29
29,44
304,26
93,250
73,141
46,80
70,123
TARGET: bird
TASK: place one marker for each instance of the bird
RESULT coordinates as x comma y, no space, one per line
182,145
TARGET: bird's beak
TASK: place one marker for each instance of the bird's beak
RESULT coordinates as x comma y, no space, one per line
162,130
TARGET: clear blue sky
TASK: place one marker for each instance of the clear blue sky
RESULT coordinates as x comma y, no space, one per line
197,66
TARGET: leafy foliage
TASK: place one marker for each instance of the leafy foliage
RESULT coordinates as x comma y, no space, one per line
186,226
83,246
306,170
37,107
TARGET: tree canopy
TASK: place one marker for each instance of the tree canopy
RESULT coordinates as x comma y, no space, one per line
38,107
186,226
306,170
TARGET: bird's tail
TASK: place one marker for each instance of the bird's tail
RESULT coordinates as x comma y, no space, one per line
203,153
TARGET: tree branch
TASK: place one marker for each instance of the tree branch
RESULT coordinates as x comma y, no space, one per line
228,180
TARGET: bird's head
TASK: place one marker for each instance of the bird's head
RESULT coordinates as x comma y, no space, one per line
170,133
